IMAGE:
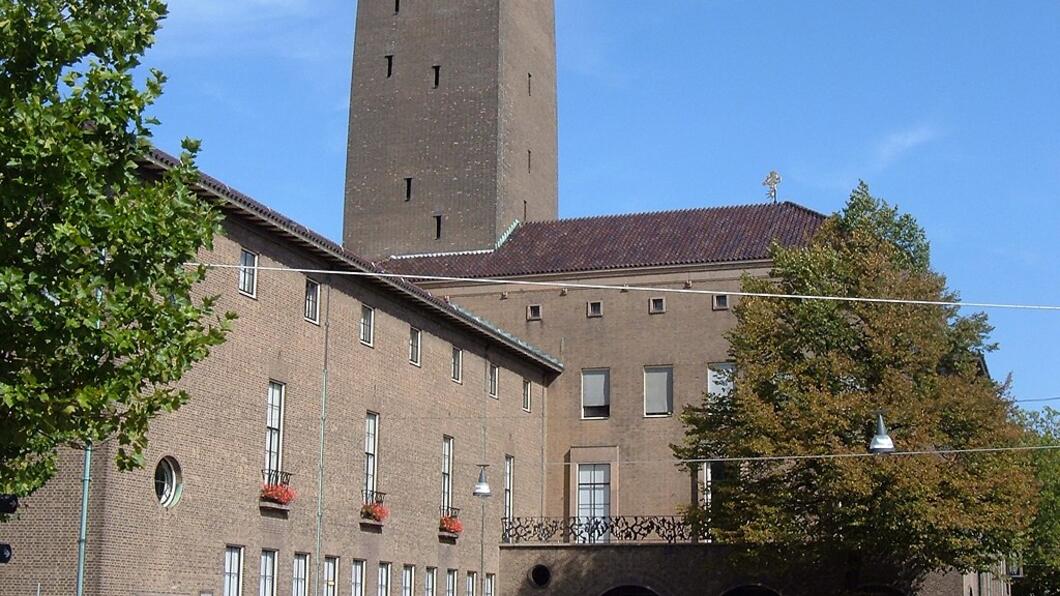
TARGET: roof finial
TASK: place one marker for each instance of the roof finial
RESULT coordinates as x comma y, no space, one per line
772,181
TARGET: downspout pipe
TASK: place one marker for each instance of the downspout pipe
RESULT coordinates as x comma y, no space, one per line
82,533
318,561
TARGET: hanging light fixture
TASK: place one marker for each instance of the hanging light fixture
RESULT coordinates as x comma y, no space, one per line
882,442
482,487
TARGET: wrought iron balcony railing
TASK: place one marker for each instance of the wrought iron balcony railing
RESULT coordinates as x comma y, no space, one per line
444,511
595,530
276,477
372,496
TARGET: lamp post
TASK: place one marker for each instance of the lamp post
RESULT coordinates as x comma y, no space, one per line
482,491
882,442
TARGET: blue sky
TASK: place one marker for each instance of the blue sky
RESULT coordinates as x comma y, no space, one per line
951,109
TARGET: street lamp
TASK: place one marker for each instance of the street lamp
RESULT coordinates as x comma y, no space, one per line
483,492
482,487
882,442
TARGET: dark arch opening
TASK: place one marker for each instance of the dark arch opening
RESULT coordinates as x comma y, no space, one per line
878,590
751,591
630,591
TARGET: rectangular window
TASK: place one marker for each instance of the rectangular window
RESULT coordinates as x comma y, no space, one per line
721,302
408,189
488,590
233,575
527,397
458,364
472,581
331,576
397,6
300,579
656,305
594,495
658,390
384,579
367,325
371,445
494,379
529,160
274,432
437,227
414,345
596,393
312,301
509,472
594,309
389,65
450,582
533,312
529,84
248,273
720,378
268,573
358,578
430,578
437,75
447,474
408,580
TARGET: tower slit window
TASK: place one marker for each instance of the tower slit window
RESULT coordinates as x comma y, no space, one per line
529,84
397,6
437,227
437,75
389,65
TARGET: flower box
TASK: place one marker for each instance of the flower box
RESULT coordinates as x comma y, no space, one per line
281,494
450,524
375,512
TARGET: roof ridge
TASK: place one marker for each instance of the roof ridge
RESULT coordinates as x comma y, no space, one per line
666,211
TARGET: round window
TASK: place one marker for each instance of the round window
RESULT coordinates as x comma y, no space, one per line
540,575
167,482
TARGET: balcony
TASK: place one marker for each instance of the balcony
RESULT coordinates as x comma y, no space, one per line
449,525
373,512
276,493
669,529
369,497
276,477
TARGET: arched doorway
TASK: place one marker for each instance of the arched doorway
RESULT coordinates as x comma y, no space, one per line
630,591
751,591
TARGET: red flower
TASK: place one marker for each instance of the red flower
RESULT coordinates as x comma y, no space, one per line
277,493
375,512
450,524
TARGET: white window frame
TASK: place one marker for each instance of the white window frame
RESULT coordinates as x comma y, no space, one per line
408,580
509,484
652,310
716,368
528,397
472,583
232,579
530,316
384,578
458,365
644,392
357,579
248,272
488,587
331,577
493,373
589,309
371,453
267,578
303,577
593,508
312,299
430,581
367,323
452,579
607,392
274,434
415,345
716,299
447,471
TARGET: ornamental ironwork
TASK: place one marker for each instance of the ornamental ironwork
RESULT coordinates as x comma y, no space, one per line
595,530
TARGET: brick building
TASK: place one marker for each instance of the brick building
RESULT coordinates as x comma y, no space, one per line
352,389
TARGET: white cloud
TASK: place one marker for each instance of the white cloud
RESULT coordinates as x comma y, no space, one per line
900,142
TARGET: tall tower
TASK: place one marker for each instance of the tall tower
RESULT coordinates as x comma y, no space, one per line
452,124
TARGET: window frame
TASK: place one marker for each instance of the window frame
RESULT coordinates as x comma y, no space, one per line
448,446
472,583
713,367
330,576
528,395
253,273
370,481
457,374
714,302
269,429
415,346
305,558
493,380
652,310
452,582
430,581
367,323
489,587
358,569
589,314
607,392
311,299
268,557
236,575
644,392
530,316
383,578
509,487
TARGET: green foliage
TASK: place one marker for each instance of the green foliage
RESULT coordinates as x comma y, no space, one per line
811,376
97,317
1041,557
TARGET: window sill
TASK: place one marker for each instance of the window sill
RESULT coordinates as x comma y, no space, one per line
416,364
447,537
528,411
491,396
596,418
253,296
308,320
372,526
367,344
457,381
669,415
270,505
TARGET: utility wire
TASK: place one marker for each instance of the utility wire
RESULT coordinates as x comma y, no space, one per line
556,284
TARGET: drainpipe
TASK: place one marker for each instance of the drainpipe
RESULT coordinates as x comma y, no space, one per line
318,561
82,534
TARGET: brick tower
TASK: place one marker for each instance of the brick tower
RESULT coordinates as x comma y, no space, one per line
452,124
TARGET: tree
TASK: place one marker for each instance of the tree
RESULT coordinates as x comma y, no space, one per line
97,314
811,376
1041,557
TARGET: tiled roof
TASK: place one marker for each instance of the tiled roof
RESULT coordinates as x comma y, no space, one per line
231,200
612,242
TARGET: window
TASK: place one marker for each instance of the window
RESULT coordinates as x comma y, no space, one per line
533,312
437,227
488,588
594,495
331,575
168,482
397,6
367,325
414,345
312,301
596,393
529,159
371,444
447,474
408,579
509,471
658,390
720,302
389,65
248,273
720,378
300,581
437,75
472,579
458,364
233,576
358,578
594,309
527,397
494,379
529,84
450,582
268,573
408,189
274,432
384,579
657,305
429,580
